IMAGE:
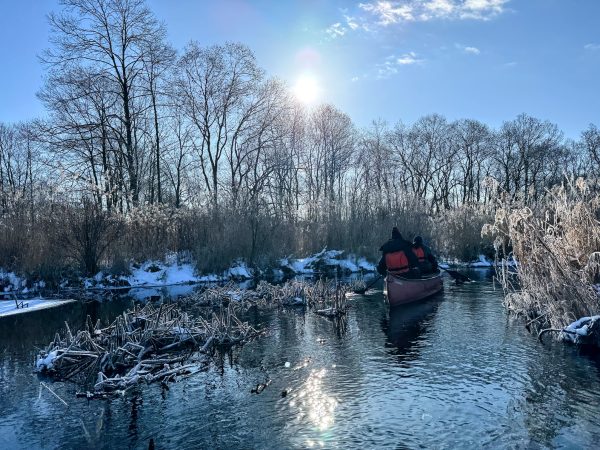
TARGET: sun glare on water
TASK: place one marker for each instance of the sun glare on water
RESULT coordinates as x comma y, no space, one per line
306,89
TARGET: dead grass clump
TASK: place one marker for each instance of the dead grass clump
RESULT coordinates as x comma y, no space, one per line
143,344
325,297
555,246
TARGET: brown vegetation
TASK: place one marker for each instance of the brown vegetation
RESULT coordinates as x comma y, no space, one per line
556,244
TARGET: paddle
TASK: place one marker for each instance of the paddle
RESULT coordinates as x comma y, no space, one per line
459,277
362,291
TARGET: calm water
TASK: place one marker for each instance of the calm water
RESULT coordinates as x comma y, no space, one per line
454,372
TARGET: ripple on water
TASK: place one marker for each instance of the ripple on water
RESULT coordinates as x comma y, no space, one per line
453,372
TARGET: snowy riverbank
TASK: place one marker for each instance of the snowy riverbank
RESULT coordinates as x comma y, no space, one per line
480,263
175,270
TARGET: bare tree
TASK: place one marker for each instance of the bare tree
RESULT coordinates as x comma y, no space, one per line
329,155
177,153
218,86
284,187
473,143
157,64
590,141
112,38
536,142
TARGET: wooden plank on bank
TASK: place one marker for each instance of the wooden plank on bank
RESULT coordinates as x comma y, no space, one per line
9,307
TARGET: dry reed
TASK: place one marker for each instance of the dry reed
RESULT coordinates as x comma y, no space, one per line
556,248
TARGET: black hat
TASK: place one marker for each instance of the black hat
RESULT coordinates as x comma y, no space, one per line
418,240
396,234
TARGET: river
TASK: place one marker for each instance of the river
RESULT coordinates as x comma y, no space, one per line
453,372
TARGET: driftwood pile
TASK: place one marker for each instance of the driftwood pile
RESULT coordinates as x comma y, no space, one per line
323,297
169,341
328,298
143,344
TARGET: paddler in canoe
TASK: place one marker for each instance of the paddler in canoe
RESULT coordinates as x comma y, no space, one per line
398,257
427,262
400,265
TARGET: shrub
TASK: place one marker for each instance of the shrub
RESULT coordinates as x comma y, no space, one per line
556,246
87,234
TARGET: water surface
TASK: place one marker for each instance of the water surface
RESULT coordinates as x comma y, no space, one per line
453,372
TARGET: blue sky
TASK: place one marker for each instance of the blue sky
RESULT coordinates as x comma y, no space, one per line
398,60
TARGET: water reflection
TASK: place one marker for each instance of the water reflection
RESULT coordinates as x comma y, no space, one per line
405,325
314,403
451,372
556,397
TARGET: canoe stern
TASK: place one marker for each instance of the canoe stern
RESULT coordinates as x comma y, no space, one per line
400,291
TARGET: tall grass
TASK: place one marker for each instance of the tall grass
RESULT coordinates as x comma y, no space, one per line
69,239
556,245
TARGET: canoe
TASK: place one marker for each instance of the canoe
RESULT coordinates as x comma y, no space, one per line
400,291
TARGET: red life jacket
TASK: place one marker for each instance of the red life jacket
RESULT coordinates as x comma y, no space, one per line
396,262
419,253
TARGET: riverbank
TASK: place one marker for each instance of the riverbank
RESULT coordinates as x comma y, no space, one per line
176,269
180,270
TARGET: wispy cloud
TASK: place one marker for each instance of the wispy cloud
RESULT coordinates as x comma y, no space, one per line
482,9
592,46
390,12
472,50
336,30
408,58
392,64
437,8
356,23
373,14
352,23
468,49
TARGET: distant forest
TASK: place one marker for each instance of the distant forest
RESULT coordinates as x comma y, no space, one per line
147,149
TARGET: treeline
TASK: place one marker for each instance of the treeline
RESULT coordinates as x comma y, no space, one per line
199,150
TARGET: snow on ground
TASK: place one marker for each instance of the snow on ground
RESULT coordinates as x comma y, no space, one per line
326,260
46,363
366,265
578,329
175,271
9,281
179,270
239,271
173,291
155,273
480,262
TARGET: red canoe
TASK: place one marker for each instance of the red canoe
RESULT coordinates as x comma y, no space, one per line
400,291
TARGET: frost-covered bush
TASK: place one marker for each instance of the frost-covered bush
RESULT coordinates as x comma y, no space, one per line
555,244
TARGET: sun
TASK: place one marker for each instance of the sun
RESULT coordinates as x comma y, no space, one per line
306,89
